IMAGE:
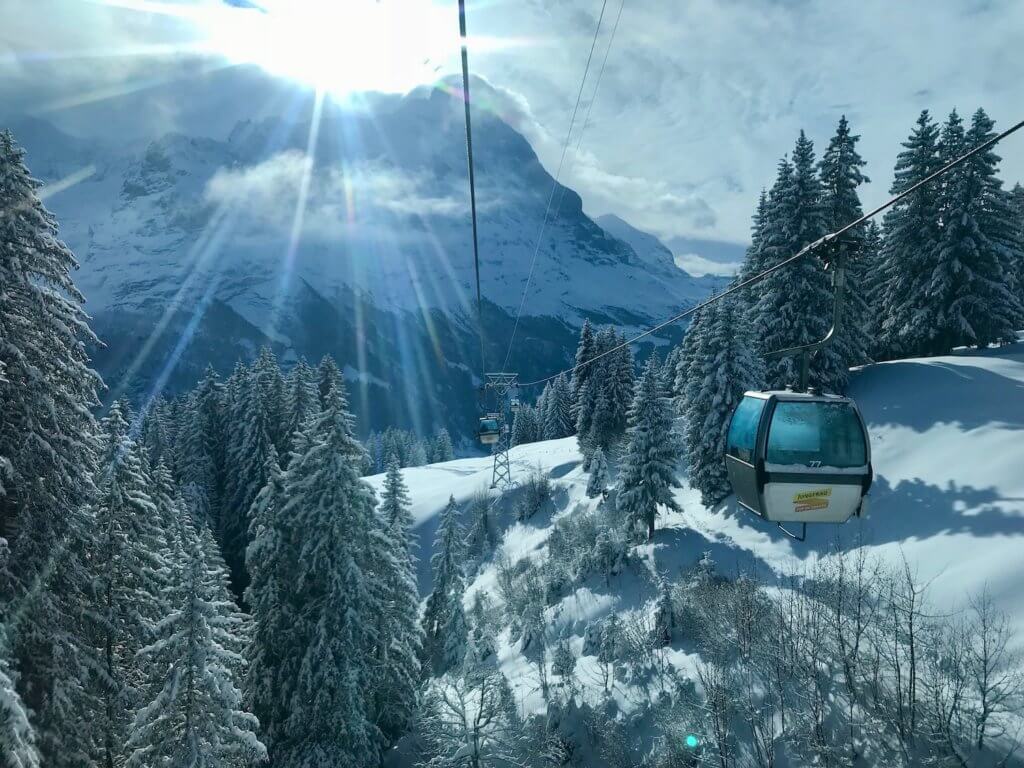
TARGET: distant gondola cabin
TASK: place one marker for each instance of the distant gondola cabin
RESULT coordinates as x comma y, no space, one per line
489,430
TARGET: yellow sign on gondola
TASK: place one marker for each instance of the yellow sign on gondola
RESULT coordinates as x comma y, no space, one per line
810,501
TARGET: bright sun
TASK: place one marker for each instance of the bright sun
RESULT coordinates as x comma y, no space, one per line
340,46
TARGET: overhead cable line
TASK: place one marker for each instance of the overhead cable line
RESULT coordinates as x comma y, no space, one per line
590,106
561,196
795,257
554,182
472,187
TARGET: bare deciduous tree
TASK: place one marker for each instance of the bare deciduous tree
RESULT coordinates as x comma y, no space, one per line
993,669
719,695
468,721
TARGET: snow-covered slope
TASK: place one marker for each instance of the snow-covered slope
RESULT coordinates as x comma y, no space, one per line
947,439
342,230
655,253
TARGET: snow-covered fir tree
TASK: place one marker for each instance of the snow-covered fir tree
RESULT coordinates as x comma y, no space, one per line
603,429
302,402
558,420
376,449
400,634
405,446
724,366
668,372
53,629
585,405
156,433
47,453
872,281
47,387
998,219
911,241
270,663
597,483
196,717
167,505
794,305
841,175
172,423
620,381
17,737
606,397
754,260
971,290
585,351
375,460
456,629
1016,199
129,574
273,397
247,462
334,559
328,376
211,401
194,463
759,255
542,410
687,351
757,258
598,394
395,504
480,539
443,449
647,476
524,425
234,431
417,453
446,566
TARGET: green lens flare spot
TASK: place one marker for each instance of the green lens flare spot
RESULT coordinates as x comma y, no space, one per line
692,742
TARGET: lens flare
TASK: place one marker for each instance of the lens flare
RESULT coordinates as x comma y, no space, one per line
339,47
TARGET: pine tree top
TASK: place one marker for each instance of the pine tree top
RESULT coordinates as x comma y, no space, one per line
395,499
841,174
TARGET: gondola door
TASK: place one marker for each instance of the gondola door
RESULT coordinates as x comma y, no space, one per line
741,461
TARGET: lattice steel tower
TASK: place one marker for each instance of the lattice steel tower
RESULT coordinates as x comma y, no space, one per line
498,390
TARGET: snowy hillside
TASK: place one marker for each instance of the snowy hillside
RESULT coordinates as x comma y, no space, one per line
948,447
654,252
340,230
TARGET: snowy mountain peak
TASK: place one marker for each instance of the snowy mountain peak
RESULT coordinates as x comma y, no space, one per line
648,247
285,225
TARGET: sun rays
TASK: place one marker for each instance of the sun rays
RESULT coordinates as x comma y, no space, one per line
343,49
301,200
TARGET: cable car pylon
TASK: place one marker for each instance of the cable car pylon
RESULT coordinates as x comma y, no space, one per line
498,404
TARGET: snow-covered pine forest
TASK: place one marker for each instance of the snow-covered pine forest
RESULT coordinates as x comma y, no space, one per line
211,580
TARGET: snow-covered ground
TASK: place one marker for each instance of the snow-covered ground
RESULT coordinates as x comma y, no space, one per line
947,438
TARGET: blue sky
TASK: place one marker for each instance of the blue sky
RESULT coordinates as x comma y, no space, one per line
698,101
